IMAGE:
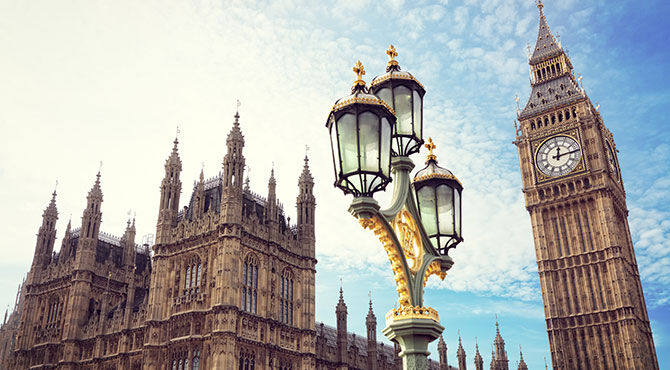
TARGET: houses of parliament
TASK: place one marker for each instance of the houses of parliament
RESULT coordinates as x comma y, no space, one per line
230,282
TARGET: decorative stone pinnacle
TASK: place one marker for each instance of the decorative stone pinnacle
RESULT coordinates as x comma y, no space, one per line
359,70
430,146
540,6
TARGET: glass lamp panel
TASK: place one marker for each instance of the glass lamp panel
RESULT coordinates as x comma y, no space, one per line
457,209
402,97
426,199
373,181
418,115
436,242
385,95
368,137
333,147
346,131
445,209
386,146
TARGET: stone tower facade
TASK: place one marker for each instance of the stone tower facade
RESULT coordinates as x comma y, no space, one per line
499,360
594,306
84,301
233,281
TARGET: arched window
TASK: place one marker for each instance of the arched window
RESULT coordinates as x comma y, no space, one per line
247,360
193,276
286,294
250,285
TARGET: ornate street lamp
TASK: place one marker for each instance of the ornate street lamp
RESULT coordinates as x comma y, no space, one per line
438,195
416,235
401,91
360,139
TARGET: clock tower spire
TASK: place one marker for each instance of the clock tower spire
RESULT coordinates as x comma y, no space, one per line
594,306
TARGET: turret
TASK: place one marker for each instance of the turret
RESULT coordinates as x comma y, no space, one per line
341,314
90,226
522,363
233,175
460,354
479,361
199,197
306,205
442,353
371,325
66,244
233,162
46,236
128,244
501,355
271,211
170,192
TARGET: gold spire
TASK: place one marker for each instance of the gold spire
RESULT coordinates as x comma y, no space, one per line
430,146
359,70
540,6
392,54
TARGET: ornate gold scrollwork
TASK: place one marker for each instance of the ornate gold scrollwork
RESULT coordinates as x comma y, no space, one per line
434,268
401,280
408,233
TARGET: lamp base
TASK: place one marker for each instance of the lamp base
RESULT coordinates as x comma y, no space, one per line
413,335
364,207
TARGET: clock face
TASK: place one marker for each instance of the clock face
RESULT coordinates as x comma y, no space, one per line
558,156
612,161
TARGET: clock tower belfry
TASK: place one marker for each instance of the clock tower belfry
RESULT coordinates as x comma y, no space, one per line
594,307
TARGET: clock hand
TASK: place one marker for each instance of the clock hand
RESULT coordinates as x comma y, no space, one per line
574,151
558,153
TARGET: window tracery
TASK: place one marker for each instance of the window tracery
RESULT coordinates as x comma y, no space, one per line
193,276
250,285
247,360
286,297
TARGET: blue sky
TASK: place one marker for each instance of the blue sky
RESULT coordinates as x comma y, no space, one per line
90,80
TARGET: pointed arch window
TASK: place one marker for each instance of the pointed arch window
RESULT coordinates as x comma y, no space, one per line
286,301
193,276
250,285
247,360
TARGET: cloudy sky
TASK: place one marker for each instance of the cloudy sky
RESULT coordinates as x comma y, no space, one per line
89,81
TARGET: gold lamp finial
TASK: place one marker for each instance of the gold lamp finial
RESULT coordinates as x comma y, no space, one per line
359,70
392,54
430,145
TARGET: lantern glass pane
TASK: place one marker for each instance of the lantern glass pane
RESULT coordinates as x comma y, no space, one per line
402,97
386,146
445,209
457,209
368,137
426,199
333,147
346,130
385,95
418,113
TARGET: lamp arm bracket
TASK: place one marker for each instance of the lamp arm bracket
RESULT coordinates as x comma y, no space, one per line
400,167
401,270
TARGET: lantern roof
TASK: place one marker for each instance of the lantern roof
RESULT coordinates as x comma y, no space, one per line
432,170
359,94
393,71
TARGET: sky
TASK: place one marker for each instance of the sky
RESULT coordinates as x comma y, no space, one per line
84,82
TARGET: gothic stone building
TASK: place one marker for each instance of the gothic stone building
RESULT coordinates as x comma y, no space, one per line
593,302
230,285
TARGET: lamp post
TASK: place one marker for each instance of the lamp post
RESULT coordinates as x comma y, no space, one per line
373,132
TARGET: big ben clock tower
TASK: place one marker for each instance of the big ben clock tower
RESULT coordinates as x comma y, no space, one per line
593,302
